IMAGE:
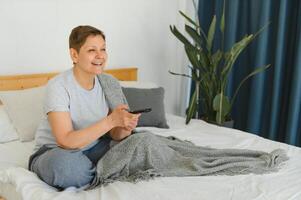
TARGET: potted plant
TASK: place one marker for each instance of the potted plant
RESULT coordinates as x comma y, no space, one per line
210,70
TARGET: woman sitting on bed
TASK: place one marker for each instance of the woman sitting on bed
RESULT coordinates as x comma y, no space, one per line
80,119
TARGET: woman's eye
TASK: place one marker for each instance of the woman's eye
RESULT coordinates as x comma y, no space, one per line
104,49
91,50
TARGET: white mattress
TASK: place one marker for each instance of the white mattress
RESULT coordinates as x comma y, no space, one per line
15,154
285,184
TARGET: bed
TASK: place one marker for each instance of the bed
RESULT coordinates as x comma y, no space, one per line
16,182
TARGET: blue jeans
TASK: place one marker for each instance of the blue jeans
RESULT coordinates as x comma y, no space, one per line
62,168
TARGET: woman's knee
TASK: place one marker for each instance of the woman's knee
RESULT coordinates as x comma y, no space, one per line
64,168
145,137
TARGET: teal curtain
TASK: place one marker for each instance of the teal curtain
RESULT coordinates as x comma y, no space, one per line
269,104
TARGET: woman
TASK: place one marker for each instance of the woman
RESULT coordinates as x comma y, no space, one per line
81,117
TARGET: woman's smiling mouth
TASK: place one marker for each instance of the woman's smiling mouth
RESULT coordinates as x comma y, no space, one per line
97,63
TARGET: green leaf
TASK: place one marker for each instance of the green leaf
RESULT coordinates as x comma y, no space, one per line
204,60
260,30
253,73
189,19
192,55
235,51
211,33
222,106
194,34
192,107
194,74
216,58
222,24
237,48
178,74
198,58
195,24
180,36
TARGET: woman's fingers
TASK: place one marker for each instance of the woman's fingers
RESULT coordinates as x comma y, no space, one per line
123,118
136,116
131,123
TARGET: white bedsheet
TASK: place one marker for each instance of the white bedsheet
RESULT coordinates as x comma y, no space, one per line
285,184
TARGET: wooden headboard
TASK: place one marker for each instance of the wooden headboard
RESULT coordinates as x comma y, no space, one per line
19,82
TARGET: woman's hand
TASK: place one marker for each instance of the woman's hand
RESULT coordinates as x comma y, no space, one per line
120,117
122,122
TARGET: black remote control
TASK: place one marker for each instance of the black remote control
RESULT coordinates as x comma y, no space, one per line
140,111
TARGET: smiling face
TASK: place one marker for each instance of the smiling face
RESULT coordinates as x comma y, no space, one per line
92,55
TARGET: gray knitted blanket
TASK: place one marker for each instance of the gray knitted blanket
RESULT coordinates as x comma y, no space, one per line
143,156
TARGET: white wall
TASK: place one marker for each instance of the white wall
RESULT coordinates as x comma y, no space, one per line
34,38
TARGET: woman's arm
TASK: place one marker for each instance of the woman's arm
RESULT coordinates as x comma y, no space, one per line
68,138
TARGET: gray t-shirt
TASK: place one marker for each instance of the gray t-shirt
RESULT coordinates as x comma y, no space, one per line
86,107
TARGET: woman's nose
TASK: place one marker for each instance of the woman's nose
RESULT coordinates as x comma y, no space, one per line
100,54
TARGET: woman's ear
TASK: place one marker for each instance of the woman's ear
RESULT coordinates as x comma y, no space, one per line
73,55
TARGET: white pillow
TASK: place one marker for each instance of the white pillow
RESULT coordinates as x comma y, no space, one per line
138,84
25,109
7,131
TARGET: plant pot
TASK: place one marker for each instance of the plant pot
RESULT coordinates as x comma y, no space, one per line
228,124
